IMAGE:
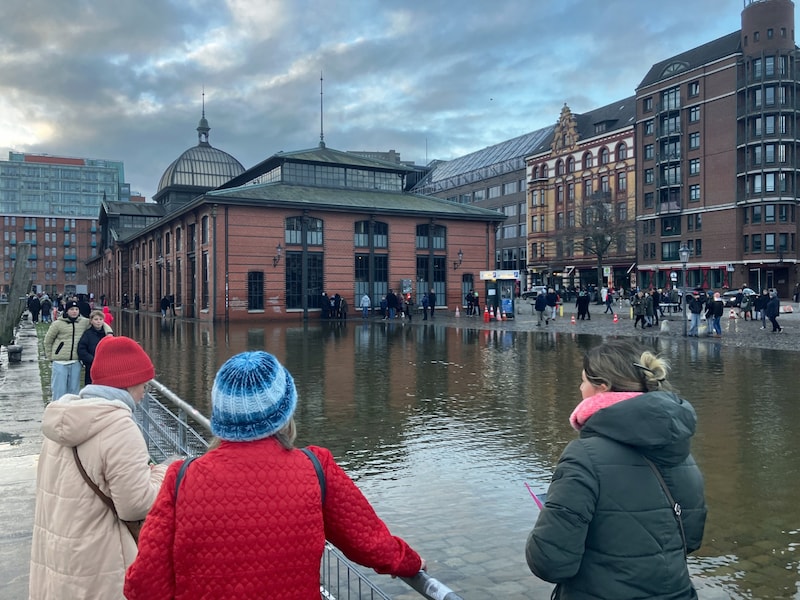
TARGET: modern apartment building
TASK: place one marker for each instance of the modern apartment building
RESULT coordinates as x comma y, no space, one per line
718,143
53,203
581,200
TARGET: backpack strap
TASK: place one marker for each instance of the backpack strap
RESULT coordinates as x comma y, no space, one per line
318,468
181,473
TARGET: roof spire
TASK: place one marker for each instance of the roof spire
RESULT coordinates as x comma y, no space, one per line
321,130
202,127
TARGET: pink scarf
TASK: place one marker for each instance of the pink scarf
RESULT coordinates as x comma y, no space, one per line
592,404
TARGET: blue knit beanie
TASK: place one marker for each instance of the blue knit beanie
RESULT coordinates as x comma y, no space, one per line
253,397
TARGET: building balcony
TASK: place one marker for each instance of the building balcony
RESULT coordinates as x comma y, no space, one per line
13,242
66,228
66,243
30,227
70,269
70,257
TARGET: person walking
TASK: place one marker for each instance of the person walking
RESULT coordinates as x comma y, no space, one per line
47,309
761,305
80,546
552,305
267,539
87,345
609,301
639,309
582,304
35,307
714,313
607,528
164,305
365,305
432,301
695,307
61,347
425,306
540,305
772,310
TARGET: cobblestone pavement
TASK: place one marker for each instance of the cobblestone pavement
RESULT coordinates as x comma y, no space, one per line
735,332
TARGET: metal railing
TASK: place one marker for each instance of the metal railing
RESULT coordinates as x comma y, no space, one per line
172,426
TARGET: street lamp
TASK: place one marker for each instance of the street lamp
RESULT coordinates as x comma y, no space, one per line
684,253
457,263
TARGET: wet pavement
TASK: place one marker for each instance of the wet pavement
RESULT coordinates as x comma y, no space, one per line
21,408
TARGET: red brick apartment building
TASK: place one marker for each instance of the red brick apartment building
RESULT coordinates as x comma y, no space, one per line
718,149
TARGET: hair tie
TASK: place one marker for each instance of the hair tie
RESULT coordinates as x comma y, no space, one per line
643,368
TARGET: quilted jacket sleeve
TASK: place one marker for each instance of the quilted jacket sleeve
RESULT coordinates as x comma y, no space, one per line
151,576
352,525
555,547
133,484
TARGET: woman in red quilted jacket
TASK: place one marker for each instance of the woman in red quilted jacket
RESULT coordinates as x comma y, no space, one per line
248,519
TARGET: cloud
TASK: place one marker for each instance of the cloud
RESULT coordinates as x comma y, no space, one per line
431,79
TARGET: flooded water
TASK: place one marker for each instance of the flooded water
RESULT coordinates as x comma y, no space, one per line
443,426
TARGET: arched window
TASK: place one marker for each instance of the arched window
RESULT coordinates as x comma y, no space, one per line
560,167
535,172
544,171
604,156
622,151
588,160
570,165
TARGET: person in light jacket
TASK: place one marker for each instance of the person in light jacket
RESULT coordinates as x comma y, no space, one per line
607,528
80,548
61,347
250,517
365,304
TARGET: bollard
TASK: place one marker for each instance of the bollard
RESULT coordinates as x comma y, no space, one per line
14,353
572,320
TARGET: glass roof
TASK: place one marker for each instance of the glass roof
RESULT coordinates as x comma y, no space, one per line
201,166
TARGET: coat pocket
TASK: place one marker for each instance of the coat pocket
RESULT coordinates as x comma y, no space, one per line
59,347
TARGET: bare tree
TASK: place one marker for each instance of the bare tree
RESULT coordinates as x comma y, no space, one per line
597,228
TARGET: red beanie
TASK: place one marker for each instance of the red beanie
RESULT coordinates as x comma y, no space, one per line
120,362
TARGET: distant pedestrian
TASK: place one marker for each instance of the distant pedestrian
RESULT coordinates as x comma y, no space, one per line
87,345
172,304
107,316
582,304
639,309
540,305
408,307
432,301
47,309
552,303
761,306
61,347
164,306
365,304
35,307
136,301
714,314
392,303
772,310
609,301
425,305
384,308
695,306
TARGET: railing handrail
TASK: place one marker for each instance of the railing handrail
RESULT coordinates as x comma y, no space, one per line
199,417
427,586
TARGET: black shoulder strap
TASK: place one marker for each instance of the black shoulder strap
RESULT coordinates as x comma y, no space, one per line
318,468
676,507
181,473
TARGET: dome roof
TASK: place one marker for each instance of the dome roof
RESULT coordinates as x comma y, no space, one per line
201,166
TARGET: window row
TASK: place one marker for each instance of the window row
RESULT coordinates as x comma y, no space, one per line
570,248
570,165
769,242
769,213
669,250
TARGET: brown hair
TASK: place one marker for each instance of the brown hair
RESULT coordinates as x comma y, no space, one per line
626,366
96,313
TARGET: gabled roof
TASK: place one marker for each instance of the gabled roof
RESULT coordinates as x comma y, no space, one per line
348,200
616,115
488,162
708,53
144,209
319,155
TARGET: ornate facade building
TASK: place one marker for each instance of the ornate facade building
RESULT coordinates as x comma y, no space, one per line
581,200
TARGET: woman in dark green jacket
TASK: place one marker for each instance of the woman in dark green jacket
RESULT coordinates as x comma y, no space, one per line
608,530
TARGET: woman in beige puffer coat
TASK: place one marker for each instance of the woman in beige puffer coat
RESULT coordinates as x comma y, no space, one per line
80,549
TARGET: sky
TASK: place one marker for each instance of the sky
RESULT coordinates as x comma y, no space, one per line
431,79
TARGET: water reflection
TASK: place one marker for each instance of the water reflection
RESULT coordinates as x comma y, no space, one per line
442,426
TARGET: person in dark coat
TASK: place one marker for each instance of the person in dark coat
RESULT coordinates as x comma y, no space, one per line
714,312
136,301
89,340
425,305
772,310
35,306
432,301
607,528
84,306
760,305
582,304
392,303
552,304
540,305
47,309
164,305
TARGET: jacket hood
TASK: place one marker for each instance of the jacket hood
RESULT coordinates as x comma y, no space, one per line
72,420
659,424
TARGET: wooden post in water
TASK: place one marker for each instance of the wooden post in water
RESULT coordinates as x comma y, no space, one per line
20,281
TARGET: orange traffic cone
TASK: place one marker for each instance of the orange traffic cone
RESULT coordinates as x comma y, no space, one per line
503,317
616,318
572,320
486,317
458,314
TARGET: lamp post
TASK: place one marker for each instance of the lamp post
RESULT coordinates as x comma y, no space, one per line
684,252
